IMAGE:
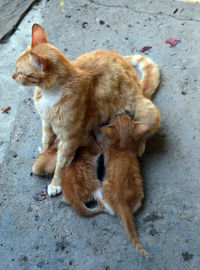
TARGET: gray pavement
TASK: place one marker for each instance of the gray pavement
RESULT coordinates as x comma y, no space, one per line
49,234
11,14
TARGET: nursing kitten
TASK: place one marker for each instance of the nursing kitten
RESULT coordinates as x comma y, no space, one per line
79,181
122,191
75,97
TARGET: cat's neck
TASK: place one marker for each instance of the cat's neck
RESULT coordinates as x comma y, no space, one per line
52,91
114,153
65,69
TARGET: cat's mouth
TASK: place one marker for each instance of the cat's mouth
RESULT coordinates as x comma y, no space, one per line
22,83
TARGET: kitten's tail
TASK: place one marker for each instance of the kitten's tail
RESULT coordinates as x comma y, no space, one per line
150,73
127,218
87,212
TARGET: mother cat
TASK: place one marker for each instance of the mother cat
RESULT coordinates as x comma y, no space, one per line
75,97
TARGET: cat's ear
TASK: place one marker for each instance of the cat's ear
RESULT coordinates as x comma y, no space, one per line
39,62
107,130
140,129
38,35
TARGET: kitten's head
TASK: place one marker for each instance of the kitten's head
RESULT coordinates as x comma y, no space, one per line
37,65
124,132
93,148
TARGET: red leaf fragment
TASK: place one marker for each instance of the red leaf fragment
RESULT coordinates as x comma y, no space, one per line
172,42
145,48
5,109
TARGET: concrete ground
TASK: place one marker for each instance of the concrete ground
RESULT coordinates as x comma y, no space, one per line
48,234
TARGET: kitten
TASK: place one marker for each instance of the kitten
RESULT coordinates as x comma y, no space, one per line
75,97
122,191
79,181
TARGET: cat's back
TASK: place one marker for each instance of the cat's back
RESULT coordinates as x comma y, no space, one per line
99,61
123,178
81,168
125,163
114,83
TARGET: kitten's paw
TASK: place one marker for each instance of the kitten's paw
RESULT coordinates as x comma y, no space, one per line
54,190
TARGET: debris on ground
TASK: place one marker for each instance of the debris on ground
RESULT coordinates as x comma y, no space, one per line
146,48
5,109
84,25
172,42
101,22
175,11
41,196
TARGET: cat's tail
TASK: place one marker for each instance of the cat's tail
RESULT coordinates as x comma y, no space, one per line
126,215
87,212
150,73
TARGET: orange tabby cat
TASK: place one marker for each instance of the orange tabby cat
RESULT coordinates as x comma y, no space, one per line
122,191
75,97
79,181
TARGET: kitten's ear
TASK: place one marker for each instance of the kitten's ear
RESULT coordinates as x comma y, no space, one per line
140,129
38,35
107,130
39,62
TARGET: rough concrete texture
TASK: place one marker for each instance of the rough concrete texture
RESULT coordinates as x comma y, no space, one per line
49,234
11,14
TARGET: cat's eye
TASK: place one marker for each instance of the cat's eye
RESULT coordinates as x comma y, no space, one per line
20,73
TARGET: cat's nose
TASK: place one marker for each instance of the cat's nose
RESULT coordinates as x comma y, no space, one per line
14,75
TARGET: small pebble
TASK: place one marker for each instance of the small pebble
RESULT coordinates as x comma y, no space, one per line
101,22
84,25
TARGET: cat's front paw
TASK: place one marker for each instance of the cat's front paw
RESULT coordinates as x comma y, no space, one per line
54,190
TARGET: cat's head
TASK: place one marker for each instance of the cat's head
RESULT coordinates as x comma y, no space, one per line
38,64
123,132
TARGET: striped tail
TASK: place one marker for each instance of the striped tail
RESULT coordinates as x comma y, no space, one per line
127,218
150,73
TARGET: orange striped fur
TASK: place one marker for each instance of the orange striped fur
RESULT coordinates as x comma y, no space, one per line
79,181
75,97
122,191
150,73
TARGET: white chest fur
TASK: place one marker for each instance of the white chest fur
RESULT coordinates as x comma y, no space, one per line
48,99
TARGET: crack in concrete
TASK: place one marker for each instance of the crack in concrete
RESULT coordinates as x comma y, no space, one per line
143,12
13,28
104,5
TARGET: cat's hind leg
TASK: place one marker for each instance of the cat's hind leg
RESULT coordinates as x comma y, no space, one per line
147,112
45,163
